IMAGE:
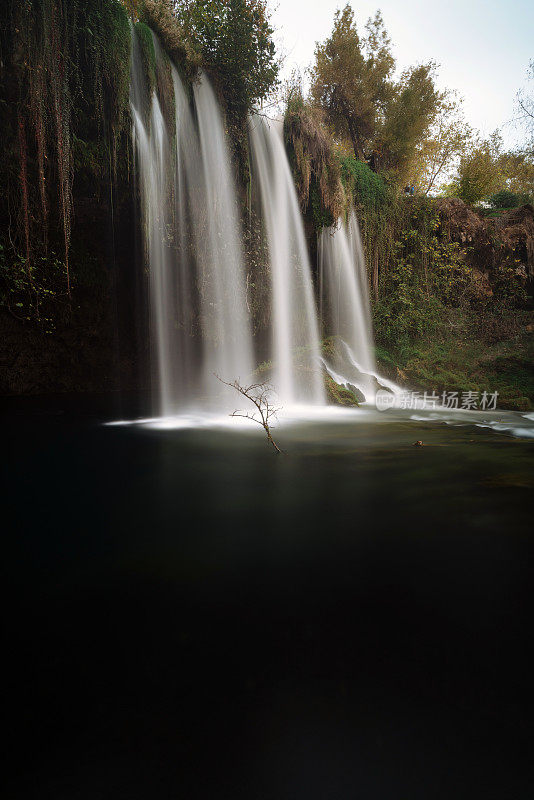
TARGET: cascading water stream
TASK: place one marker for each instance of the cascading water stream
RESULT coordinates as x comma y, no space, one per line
297,374
151,143
192,241
195,261
345,302
226,325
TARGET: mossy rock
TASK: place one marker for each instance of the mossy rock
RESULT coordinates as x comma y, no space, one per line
339,395
516,403
329,347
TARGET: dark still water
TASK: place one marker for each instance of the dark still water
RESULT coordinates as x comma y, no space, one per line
188,615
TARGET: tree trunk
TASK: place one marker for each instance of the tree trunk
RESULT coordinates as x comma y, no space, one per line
357,145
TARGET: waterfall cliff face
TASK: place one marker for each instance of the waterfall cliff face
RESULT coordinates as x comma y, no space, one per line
199,309
295,335
344,300
193,245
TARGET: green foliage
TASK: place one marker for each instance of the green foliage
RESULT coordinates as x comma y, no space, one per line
435,326
315,165
161,17
479,174
410,110
517,168
233,38
507,199
105,37
31,291
353,83
351,78
65,86
148,54
425,273
446,141
464,355
364,186
322,217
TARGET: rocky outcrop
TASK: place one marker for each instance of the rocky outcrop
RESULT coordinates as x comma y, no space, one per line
515,230
490,243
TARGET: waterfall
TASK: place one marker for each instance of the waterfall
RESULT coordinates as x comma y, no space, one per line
151,145
226,324
344,298
297,374
192,242
200,323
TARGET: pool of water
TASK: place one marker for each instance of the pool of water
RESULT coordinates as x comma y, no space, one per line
190,615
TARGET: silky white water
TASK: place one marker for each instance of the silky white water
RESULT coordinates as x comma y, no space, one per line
297,374
344,300
199,310
225,320
151,144
193,245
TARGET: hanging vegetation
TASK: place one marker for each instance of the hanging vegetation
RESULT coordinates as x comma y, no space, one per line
315,163
66,77
160,17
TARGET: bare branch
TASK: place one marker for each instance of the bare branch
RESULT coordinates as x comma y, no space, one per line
259,395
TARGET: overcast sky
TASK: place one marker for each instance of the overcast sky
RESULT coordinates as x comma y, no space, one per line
483,46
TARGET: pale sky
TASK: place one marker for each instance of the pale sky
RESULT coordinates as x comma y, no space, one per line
483,46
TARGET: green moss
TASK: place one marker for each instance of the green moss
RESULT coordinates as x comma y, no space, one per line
314,163
338,395
163,20
148,54
328,347
105,39
263,371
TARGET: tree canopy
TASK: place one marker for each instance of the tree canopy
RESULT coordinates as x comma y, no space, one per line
353,82
234,41
479,173
352,78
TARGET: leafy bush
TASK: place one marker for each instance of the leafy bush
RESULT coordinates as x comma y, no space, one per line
363,185
425,274
507,199
233,40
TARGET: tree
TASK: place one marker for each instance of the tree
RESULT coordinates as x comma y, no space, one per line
479,173
525,106
439,151
133,7
410,110
259,395
351,78
507,199
517,168
234,39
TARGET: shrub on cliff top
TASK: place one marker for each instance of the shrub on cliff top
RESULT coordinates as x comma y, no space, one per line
160,16
315,164
363,185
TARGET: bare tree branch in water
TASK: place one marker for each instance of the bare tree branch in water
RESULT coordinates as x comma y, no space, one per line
258,394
